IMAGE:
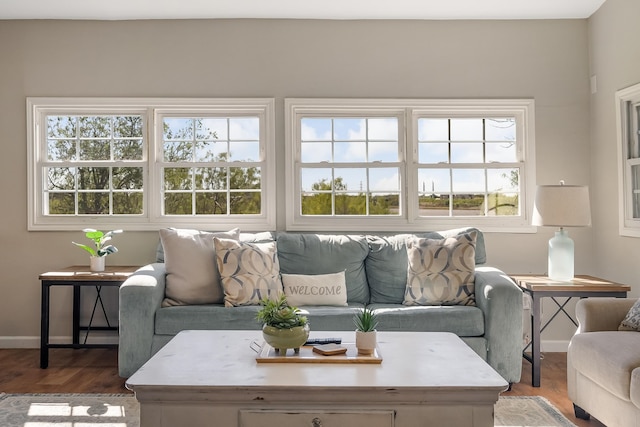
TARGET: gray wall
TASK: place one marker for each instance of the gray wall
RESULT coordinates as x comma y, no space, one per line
545,60
615,61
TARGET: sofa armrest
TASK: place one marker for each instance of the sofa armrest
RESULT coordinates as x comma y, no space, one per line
500,299
140,297
601,314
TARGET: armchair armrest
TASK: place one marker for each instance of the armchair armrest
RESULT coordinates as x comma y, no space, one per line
601,314
140,297
500,299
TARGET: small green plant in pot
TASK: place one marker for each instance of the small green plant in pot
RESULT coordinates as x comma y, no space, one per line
100,248
366,322
284,326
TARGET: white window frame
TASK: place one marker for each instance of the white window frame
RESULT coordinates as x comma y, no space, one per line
151,109
627,101
409,110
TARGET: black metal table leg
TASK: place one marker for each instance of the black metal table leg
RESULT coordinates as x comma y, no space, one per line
76,314
535,341
44,326
93,312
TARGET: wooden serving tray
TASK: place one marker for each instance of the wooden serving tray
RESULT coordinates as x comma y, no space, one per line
268,355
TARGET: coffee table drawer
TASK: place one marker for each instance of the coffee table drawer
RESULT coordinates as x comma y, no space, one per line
316,418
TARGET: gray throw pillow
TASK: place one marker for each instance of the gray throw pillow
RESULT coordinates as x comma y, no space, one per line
190,260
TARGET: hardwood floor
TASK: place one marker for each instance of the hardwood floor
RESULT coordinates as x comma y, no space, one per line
95,371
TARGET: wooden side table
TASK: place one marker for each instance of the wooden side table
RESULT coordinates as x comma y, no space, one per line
538,287
77,276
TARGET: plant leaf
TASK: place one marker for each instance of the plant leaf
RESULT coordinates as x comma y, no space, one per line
86,248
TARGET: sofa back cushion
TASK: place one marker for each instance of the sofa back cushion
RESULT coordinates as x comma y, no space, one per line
387,262
262,236
324,254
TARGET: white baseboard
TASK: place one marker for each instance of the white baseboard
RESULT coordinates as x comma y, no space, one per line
97,337
554,346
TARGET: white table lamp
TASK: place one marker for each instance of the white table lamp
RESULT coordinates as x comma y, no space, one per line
561,206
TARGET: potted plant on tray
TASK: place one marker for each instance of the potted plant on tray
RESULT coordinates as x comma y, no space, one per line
100,250
366,322
284,326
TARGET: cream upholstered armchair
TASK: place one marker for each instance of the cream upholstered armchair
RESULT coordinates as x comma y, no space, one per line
603,363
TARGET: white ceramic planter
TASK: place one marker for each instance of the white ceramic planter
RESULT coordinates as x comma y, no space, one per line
97,263
366,342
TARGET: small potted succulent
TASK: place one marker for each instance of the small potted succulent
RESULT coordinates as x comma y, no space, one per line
100,249
284,326
366,322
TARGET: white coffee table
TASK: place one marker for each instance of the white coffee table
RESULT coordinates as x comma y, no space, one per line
211,378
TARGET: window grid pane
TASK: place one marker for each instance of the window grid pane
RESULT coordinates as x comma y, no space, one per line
81,176
448,186
214,186
369,186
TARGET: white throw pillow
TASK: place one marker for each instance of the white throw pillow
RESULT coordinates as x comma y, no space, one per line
192,275
441,272
249,272
318,289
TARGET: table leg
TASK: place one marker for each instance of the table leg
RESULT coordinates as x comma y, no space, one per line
535,341
93,312
76,315
104,311
44,326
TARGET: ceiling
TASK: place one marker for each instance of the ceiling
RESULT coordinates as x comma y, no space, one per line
298,9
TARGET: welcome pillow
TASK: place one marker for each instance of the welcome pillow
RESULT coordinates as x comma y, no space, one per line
316,289
249,272
441,272
189,257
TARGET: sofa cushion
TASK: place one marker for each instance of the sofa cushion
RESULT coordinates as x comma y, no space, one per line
464,321
635,387
631,321
323,254
608,358
249,272
171,320
441,272
315,289
328,318
192,275
387,262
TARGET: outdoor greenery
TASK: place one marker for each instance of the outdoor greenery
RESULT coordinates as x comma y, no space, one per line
318,202
96,176
96,168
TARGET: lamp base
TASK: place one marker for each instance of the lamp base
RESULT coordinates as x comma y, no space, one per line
561,250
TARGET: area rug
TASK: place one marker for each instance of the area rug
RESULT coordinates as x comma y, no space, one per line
121,410
528,411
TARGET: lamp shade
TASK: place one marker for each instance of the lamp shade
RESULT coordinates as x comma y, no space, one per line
562,206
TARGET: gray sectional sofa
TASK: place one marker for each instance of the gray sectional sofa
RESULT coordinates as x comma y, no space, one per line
376,275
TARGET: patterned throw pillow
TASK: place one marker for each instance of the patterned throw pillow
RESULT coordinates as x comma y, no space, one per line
441,272
249,272
315,289
631,321
192,276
